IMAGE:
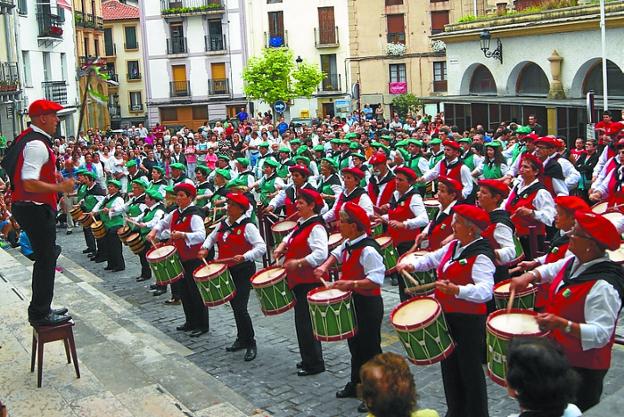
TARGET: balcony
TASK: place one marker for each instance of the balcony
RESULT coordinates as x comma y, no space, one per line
179,8
440,86
50,25
6,6
113,76
114,111
331,83
396,37
9,80
215,43
276,40
55,91
135,108
326,39
177,45
219,86
110,50
132,46
179,88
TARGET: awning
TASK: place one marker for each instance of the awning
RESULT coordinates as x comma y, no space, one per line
616,102
64,4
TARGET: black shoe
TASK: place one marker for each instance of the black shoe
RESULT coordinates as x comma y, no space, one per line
87,251
99,260
50,320
198,332
108,268
236,346
141,279
347,392
69,232
184,328
299,365
394,281
362,408
59,311
159,291
251,353
155,287
117,269
307,372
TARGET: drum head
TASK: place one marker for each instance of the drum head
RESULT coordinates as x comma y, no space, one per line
411,257
383,240
600,208
414,312
209,270
161,252
284,226
431,202
614,217
617,255
268,275
326,295
514,323
96,224
503,287
334,238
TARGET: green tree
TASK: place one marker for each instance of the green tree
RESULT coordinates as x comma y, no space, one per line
405,104
275,76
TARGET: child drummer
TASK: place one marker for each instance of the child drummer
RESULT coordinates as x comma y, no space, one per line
363,273
111,209
145,222
239,240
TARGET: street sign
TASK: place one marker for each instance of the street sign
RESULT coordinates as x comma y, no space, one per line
342,108
279,106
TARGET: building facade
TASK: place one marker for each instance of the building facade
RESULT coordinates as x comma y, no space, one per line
317,31
10,85
550,60
124,62
194,53
46,45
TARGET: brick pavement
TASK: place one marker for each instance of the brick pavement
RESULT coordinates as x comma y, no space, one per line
270,382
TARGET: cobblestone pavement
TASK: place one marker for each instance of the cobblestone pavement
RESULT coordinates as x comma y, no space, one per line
270,382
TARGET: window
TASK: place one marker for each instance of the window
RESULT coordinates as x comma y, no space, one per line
276,29
109,47
22,6
273,1
393,2
615,80
63,66
398,73
27,74
96,44
136,103
330,69
482,82
438,20
327,26
200,112
439,76
85,45
215,40
131,39
168,114
133,70
47,67
396,28
532,81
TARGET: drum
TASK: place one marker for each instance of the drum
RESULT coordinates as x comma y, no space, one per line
387,249
600,208
136,243
523,299
501,327
426,277
376,228
76,212
422,330
123,233
214,283
272,290
334,240
86,220
281,229
519,257
332,315
432,206
98,229
165,264
617,255
614,217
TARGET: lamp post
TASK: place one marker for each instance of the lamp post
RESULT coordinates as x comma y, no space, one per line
298,60
497,53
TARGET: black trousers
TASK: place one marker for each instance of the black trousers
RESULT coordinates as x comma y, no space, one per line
367,341
113,253
590,388
526,246
146,272
462,374
39,223
401,249
89,239
244,327
195,312
309,348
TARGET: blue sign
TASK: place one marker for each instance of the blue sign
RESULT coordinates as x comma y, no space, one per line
279,106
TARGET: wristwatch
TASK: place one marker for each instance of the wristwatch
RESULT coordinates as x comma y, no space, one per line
568,327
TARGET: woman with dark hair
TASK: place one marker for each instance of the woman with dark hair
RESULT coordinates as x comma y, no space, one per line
541,379
493,165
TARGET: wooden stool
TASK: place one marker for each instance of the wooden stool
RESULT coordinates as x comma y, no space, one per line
45,334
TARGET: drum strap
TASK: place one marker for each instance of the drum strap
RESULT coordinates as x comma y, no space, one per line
312,221
529,190
95,190
378,183
223,228
394,203
607,270
367,241
478,247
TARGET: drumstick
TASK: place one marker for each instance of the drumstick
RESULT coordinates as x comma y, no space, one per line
422,287
512,295
515,270
324,282
275,216
410,277
214,214
205,262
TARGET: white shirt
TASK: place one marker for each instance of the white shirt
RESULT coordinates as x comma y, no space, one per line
198,234
318,243
560,186
157,216
466,176
280,199
504,237
417,207
126,208
364,202
251,234
372,262
482,272
543,202
35,155
116,207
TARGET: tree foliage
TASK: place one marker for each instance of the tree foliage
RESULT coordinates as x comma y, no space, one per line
405,104
275,76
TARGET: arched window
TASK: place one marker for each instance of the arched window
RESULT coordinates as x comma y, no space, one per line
482,82
532,81
615,79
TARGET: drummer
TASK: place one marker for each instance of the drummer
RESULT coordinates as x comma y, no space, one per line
451,166
93,194
465,269
305,249
270,183
178,174
586,293
329,184
111,215
439,229
239,240
381,185
204,188
217,200
352,192
609,188
150,216
363,273
187,233
158,181
287,196
417,162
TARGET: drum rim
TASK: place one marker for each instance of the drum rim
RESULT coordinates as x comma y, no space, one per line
433,317
497,379
335,244
445,354
218,272
337,338
227,299
405,255
433,202
97,224
172,280
270,282
138,235
280,310
508,336
388,243
285,231
347,295
162,258
526,291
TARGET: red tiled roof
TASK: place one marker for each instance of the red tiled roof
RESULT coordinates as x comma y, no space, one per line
114,10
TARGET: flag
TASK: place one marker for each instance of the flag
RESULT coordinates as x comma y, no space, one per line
97,97
64,4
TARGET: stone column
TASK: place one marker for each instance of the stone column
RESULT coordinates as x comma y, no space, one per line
551,115
556,88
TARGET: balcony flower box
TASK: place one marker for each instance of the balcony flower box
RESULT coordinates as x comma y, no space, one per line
396,49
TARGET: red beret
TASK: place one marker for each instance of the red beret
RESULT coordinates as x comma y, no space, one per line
599,228
355,171
496,186
619,144
239,198
408,172
474,214
531,136
358,214
614,128
571,203
311,196
451,183
535,160
547,141
378,158
561,143
189,189
39,107
451,144
302,169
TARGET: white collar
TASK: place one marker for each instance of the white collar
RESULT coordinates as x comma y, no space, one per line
39,130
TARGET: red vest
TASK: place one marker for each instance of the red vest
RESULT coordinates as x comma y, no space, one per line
543,290
341,202
439,232
186,253
352,270
401,213
459,273
48,175
234,244
454,172
386,194
569,302
298,248
522,223
615,196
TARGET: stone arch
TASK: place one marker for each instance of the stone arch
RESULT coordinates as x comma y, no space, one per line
478,80
528,79
586,73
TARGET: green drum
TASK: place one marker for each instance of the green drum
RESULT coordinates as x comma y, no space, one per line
165,264
214,283
423,331
524,299
272,290
423,277
388,251
432,206
377,228
281,229
332,315
519,257
501,327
